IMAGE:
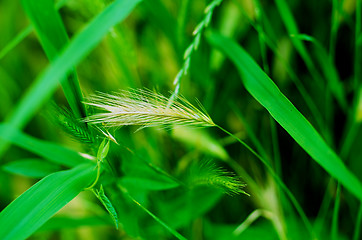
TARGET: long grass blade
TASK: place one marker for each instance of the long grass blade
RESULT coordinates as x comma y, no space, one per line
45,85
53,37
50,151
262,88
34,207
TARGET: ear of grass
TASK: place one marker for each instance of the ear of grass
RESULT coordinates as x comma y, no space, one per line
53,37
208,174
34,207
35,168
262,88
77,49
50,151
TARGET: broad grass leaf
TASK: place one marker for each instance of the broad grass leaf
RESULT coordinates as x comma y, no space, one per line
50,151
34,207
263,89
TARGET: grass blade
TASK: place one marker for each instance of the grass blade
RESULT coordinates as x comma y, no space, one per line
36,168
262,88
34,207
172,231
53,37
47,150
292,29
20,37
78,48
23,34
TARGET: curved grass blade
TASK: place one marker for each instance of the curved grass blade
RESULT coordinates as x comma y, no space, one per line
53,38
263,89
77,49
33,208
50,151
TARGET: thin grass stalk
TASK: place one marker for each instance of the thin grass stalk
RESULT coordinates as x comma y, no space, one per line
357,229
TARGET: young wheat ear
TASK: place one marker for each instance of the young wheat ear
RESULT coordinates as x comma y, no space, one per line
145,108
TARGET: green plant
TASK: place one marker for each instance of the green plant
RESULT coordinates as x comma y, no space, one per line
136,164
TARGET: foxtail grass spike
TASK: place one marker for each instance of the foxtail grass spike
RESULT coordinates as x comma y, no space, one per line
145,108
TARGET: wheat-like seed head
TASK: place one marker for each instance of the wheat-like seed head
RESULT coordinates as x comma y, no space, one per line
145,108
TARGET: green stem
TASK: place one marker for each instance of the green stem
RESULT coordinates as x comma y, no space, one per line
335,214
279,181
357,230
172,231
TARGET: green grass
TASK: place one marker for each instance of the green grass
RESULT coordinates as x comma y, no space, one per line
180,119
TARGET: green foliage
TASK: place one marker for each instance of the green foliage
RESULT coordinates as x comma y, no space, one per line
107,204
73,126
273,156
208,174
34,207
262,88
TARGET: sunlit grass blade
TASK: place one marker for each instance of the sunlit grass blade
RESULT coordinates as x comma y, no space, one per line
34,207
50,151
262,88
45,85
53,37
